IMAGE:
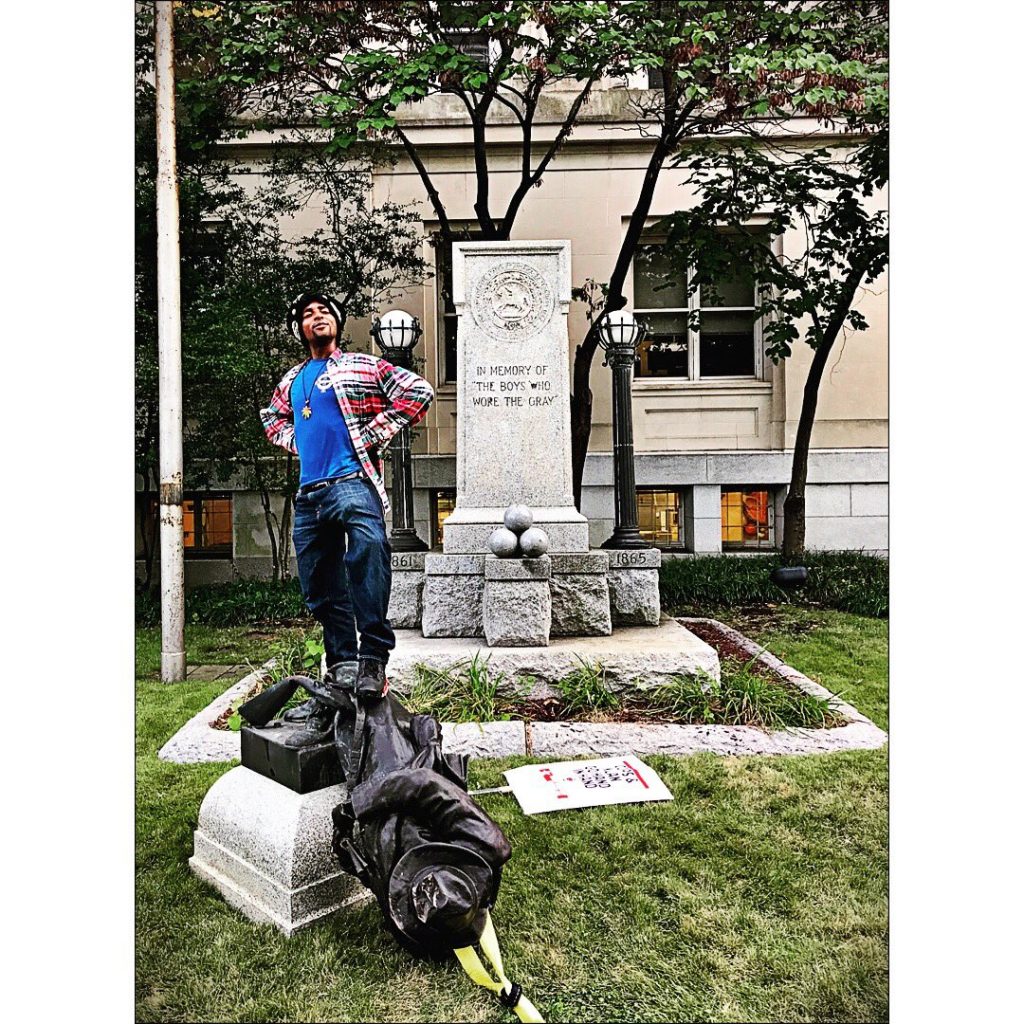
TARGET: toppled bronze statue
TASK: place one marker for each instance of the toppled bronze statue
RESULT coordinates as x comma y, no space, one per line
406,827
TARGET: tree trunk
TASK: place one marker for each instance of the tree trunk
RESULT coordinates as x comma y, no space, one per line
149,539
284,538
285,535
794,508
268,518
581,410
581,401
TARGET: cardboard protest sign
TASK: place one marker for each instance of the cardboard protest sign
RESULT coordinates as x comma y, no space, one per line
607,780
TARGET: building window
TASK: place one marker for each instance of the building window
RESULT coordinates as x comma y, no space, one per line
655,78
713,333
447,318
473,44
206,524
748,519
443,504
658,516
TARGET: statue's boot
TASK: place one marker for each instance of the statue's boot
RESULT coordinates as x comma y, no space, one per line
372,680
341,674
316,727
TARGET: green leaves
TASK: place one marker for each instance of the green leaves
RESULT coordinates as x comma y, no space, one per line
815,203
364,124
312,654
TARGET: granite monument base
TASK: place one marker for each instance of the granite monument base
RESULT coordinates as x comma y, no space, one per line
267,850
579,586
517,601
405,608
633,587
453,595
580,601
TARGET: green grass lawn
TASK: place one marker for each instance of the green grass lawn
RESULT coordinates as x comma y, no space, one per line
847,653
758,894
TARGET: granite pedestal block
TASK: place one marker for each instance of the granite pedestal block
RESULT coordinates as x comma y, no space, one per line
580,601
405,609
453,595
267,850
633,587
517,601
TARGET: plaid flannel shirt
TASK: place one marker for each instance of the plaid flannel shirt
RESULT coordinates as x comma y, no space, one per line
377,399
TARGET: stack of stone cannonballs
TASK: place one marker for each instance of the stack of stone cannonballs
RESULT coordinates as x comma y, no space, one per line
518,538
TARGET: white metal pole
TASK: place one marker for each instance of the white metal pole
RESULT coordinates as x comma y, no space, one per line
172,563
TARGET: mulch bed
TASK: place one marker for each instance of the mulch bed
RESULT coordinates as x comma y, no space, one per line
552,709
221,721
728,649
752,620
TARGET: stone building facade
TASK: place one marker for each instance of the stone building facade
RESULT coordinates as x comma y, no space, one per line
714,419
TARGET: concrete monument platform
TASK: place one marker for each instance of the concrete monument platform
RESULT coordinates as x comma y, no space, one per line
631,656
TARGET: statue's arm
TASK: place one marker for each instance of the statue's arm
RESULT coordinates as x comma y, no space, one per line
435,803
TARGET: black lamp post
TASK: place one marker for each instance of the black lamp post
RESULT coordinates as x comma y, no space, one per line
619,335
396,333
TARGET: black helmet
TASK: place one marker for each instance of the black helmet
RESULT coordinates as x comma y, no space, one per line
296,309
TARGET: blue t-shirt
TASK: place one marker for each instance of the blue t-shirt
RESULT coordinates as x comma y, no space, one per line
325,447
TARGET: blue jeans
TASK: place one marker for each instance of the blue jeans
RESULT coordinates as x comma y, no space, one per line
344,559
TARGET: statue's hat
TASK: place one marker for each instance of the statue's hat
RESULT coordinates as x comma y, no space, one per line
439,894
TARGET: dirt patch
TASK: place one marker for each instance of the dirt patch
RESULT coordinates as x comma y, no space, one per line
221,721
761,619
551,709
728,649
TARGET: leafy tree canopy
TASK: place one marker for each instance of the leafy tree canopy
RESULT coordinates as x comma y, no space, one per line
734,68
348,67
242,262
820,200
810,226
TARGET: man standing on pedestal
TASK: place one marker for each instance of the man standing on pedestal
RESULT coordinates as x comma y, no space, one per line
337,410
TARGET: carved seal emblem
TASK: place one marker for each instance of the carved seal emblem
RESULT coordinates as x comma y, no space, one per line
512,301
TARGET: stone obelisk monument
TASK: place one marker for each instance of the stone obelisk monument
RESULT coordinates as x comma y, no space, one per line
514,448
512,408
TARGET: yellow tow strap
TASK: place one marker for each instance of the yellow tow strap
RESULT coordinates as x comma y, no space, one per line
473,966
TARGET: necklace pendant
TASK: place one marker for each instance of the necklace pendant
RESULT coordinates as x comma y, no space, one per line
306,411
